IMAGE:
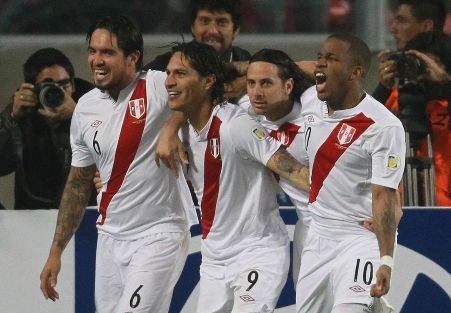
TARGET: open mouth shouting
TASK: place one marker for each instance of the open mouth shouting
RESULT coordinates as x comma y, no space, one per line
320,79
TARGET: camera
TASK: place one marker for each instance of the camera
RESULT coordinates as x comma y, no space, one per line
409,66
50,94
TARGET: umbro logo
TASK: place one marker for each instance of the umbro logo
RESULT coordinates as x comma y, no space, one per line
247,298
357,288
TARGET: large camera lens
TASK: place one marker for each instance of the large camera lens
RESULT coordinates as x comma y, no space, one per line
50,94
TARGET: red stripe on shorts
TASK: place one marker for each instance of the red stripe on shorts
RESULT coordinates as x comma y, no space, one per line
128,143
341,137
212,172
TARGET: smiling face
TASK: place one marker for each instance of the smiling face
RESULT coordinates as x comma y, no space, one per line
112,70
268,93
187,89
214,28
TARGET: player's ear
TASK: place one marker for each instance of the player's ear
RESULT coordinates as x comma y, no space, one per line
209,81
357,72
289,85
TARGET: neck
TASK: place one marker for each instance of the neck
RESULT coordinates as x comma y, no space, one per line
199,117
283,109
349,101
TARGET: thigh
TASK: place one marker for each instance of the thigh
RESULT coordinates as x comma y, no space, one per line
355,270
215,294
108,282
151,274
314,292
261,276
300,233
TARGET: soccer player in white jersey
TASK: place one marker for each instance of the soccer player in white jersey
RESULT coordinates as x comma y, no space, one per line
245,245
356,153
144,211
274,86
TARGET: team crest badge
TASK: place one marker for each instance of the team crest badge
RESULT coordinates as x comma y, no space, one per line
283,138
393,161
259,133
345,134
214,147
137,108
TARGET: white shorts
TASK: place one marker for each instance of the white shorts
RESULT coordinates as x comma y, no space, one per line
300,233
336,272
138,275
251,283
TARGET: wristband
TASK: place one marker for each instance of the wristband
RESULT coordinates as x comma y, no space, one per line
388,261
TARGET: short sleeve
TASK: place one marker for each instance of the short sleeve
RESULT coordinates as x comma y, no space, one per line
388,156
250,138
81,156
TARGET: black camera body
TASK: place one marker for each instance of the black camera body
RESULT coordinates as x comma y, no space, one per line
50,94
409,66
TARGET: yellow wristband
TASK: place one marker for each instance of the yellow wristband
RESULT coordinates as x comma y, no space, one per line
388,261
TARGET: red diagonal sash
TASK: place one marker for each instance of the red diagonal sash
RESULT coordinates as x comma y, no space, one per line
212,172
128,143
331,150
285,134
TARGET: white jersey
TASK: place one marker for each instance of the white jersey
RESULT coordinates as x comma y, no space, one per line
236,192
349,151
120,137
290,131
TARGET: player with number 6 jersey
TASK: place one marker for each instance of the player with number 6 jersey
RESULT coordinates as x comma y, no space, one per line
144,211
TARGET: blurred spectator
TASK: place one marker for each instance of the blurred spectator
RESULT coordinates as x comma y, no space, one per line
411,18
396,79
422,103
34,129
216,23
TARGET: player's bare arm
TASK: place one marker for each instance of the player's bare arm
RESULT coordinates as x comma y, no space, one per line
285,165
384,224
72,208
169,144
368,223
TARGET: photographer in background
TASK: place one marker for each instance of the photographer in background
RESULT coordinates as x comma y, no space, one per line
422,99
34,129
411,17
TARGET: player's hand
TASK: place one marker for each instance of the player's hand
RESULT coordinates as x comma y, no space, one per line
382,285
168,148
434,71
60,113
49,276
97,182
387,69
368,224
24,99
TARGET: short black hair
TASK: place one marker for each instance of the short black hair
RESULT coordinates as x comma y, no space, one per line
358,49
287,69
434,10
129,37
43,58
233,7
206,61
436,43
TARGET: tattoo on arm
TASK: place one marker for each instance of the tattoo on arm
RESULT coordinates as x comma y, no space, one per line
384,202
73,204
287,166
